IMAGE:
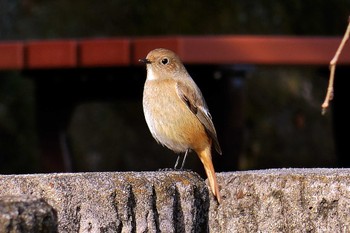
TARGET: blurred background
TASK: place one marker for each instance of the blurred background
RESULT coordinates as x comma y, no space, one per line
280,122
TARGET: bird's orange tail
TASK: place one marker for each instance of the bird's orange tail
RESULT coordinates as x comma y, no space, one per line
205,157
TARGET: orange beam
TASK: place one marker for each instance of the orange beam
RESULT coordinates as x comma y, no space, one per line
104,52
109,52
46,54
11,55
266,50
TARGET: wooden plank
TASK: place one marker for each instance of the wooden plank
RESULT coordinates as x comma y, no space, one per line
266,50
51,54
11,55
104,52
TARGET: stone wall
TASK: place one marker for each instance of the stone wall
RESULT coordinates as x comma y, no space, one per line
280,200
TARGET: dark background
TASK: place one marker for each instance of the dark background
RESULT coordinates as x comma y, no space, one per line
278,118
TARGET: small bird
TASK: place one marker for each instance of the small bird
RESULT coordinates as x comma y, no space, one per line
176,112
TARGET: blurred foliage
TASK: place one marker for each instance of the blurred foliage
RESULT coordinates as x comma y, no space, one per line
22,19
284,127
18,142
282,104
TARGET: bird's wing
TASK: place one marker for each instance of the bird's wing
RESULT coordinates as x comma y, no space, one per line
195,102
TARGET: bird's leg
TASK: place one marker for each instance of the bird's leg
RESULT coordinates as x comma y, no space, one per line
183,161
177,162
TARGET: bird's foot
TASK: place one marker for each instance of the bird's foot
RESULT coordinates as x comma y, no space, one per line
168,169
174,170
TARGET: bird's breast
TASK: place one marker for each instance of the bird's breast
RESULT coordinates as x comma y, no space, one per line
169,119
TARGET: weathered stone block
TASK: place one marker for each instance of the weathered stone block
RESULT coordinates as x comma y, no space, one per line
25,214
283,200
119,202
277,200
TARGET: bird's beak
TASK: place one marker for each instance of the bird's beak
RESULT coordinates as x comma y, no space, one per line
145,61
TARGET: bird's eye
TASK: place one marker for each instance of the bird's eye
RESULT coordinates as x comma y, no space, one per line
165,61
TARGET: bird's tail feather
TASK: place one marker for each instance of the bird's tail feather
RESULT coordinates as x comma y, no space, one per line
205,157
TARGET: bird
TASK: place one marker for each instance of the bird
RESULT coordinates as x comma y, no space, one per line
176,112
